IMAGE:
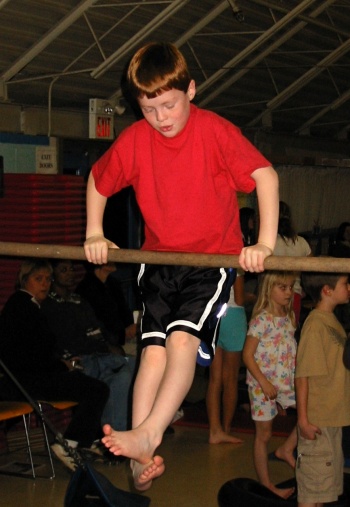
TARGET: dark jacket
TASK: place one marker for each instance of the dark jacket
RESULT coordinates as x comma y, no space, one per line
74,324
27,346
108,301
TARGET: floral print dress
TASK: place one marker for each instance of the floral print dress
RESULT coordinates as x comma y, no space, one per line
275,353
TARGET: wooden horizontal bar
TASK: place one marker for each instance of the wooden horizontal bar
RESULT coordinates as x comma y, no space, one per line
321,264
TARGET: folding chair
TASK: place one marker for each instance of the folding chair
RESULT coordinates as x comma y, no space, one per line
10,410
87,487
58,405
14,407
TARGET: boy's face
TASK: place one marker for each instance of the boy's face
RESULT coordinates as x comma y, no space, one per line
168,113
340,293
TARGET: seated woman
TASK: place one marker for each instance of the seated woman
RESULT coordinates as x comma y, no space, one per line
27,347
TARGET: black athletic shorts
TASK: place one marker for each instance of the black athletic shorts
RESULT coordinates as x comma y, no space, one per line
182,298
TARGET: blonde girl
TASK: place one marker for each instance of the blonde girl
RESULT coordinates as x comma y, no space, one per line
269,355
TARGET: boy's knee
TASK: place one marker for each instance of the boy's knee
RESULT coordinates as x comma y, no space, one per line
183,339
153,353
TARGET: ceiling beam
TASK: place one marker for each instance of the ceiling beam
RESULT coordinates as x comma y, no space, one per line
309,19
334,105
263,54
3,3
50,36
255,45
303,80
138,37
221,7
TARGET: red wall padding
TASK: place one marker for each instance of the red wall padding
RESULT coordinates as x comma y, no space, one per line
38,208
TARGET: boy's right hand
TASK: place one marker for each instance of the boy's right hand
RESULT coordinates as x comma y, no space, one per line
252,257
309,431
96,249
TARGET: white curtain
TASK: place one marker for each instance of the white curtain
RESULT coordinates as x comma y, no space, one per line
316,195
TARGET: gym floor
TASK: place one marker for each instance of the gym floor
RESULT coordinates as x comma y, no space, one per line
195,471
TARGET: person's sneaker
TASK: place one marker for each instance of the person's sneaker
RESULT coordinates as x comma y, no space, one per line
93,453
98,452
97,448
62,455
178,415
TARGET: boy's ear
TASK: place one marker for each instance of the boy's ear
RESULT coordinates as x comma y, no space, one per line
191,91
326,290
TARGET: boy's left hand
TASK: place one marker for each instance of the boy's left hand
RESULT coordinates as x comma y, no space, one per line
252,257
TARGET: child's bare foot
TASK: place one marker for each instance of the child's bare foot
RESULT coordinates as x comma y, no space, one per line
221,437
286,455
135,444
282,492
144,474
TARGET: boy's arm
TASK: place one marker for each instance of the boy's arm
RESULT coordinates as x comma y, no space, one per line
252,257
307,430
249,349
96,245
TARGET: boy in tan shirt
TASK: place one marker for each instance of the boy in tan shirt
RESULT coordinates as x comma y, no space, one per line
323,392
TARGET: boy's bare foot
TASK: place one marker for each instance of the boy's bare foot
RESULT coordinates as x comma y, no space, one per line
221,437
282,492
285,455
135,444
143,475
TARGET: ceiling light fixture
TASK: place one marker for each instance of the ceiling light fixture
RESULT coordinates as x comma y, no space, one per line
119,109
107,108
237,11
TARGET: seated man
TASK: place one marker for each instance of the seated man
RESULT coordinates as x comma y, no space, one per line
78,334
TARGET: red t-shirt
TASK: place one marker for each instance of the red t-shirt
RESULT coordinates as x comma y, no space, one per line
186,185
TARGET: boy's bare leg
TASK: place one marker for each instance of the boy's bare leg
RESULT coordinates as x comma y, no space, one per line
217,433
310,504
140,443
148,379
262,437
149,376
286,450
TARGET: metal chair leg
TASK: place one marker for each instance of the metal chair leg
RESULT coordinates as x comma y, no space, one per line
47,442
28,445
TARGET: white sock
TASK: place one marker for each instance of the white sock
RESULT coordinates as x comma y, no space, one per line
72,443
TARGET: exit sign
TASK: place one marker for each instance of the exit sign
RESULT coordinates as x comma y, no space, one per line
101,120
103,127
